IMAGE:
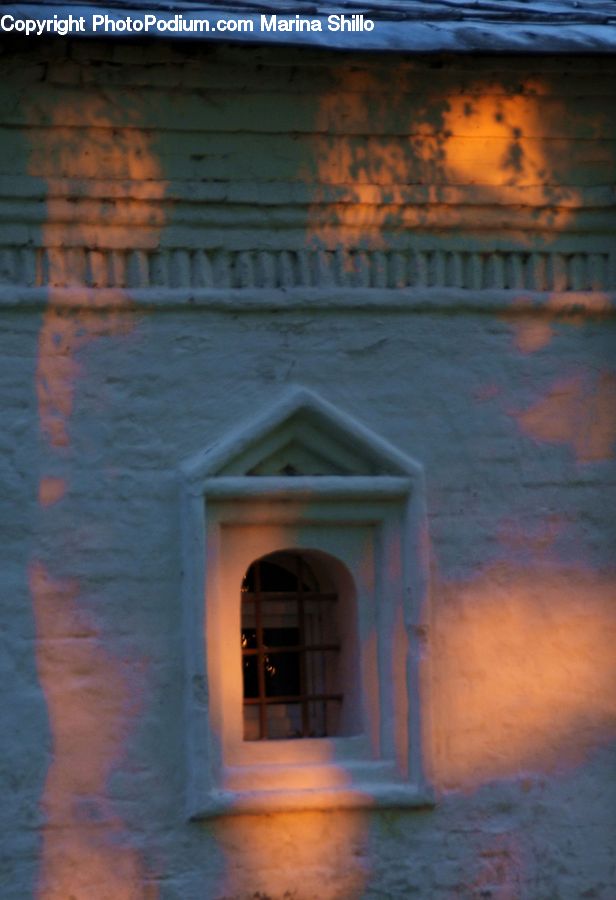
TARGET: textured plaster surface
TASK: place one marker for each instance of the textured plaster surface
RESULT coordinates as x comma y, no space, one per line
512,417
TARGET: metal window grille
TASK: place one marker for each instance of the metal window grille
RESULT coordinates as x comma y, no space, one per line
290,651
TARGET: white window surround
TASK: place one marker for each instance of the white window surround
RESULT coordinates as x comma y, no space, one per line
362,505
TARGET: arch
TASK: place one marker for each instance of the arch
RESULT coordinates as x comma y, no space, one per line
299,647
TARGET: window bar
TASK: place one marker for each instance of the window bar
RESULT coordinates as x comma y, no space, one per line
303,687
323,675
291,648
293,698
279,595
260,655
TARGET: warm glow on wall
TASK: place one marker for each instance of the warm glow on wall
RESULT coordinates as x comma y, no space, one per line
51,490
500,140
516,658
524,672
291,851
578,411
371,147
86,848
93,149
534,329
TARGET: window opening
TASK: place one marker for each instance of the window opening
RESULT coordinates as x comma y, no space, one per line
290,651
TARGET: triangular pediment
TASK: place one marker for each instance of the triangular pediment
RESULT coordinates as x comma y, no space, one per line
301,435
298,457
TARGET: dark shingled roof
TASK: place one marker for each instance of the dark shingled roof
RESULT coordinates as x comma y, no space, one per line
417,26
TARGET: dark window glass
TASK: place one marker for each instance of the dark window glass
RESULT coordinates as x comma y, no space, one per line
289,651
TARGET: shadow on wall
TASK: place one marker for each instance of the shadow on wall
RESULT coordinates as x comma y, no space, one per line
92,695
480,154
522,655
500,159
523,668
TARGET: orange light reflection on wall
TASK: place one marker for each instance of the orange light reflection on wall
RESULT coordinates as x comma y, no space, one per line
280,852
89,704
288,853
86,849
369,149
534,331
524,672
579,411
51,490
95,149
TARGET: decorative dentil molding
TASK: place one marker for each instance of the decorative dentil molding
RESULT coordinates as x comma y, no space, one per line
550,270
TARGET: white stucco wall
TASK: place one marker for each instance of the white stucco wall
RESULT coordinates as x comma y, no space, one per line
505,394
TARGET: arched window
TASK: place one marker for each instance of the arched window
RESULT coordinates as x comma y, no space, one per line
291,650
305,594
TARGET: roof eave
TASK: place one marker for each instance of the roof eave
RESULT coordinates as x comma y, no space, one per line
400,34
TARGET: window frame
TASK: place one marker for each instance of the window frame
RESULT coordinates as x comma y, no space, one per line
383,766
